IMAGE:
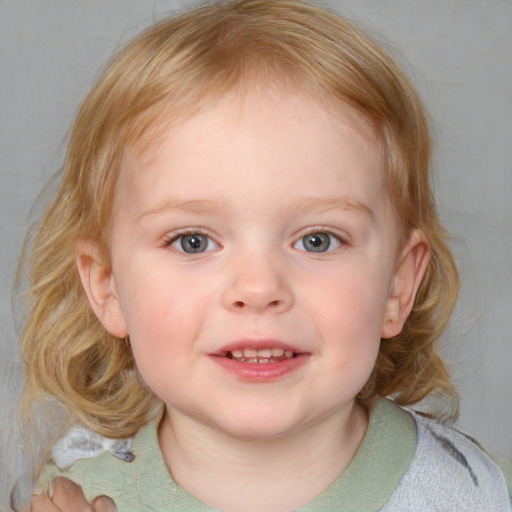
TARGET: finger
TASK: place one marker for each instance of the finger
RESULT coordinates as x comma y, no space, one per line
41,503
103,504
69,496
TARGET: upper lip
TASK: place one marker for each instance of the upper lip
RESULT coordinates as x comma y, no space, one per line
259,343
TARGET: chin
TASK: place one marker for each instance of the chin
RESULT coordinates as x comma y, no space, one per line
258,426
262,433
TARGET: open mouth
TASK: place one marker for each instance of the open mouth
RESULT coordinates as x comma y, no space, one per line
265,355
265,363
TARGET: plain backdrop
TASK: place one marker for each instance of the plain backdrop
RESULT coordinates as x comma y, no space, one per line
459,54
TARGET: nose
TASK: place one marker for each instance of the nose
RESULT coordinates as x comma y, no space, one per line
258,284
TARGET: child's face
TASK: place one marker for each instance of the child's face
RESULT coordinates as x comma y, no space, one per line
262,223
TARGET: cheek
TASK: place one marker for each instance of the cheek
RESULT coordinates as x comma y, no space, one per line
350,327
354,303
163,332
164,312
153,296
349,313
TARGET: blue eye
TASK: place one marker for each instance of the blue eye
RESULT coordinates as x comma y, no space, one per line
193,243
317,242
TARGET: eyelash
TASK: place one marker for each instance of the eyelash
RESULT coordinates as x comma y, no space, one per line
171,240
318,230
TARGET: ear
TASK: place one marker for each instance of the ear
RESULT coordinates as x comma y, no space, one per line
408,276
99,285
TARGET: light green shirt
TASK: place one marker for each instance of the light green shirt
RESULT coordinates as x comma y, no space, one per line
404,463
145,484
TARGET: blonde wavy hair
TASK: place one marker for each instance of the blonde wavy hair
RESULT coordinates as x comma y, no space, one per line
174,69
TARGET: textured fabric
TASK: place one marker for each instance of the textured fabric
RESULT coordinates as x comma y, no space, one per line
506,468
405,463
449,472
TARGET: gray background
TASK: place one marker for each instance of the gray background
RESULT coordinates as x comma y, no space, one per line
459,53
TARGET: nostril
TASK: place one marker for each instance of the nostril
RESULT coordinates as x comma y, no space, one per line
240,304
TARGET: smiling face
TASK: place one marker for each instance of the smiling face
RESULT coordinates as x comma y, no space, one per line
253,259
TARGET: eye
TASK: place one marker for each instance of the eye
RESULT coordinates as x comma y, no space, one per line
193,243
318,242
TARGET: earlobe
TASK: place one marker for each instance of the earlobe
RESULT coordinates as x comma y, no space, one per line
99,285
408,276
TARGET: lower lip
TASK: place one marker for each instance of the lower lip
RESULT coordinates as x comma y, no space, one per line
261,372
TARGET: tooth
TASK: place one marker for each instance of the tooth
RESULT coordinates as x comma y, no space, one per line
263,360
288,353
250,352
251,360
277,352
266,353
237,353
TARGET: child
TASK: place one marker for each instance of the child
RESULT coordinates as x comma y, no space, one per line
243,258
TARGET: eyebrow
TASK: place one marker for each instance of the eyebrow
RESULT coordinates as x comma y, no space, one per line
298,206
197,206
326,204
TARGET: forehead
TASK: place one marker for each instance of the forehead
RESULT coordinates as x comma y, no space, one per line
245,132
234,107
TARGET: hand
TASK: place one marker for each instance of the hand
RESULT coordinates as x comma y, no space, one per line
68,497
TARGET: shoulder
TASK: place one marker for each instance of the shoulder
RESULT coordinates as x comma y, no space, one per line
449,471
135,476
108,467
98,468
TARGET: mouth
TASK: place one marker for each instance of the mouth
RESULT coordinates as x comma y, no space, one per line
263,355
261,361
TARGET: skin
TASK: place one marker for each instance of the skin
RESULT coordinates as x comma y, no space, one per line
68,497
256,175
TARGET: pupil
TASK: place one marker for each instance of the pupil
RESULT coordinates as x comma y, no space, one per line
194,243
317,242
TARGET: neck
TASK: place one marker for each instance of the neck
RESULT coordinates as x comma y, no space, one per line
228,473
